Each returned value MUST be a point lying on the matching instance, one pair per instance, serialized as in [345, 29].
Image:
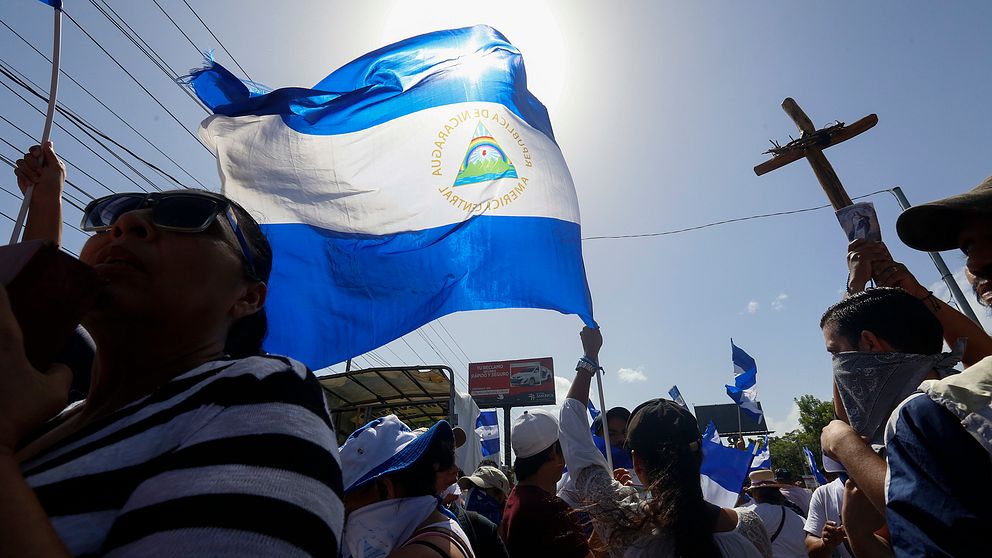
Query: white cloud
[779, 302]
[790, 423]
[752, 307]
[629, 375]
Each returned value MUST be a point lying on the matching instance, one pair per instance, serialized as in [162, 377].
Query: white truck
[529, 374]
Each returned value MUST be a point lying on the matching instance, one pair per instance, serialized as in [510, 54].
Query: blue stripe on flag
[488, 430]
[724, 467]
[57, 4]
[811, 461]
[742, 361]
[335, 295]
[441, 68]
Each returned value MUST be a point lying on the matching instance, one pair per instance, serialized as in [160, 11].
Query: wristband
[588, 365]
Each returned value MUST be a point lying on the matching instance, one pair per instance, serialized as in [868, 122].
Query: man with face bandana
[885, 341]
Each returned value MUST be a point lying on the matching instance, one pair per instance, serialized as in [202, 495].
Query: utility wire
[90, 130]
[10, 161]
[147, 50]
[726, 221]
[453, 340]
[176, 25]
[64, 159]
[86, 145]
[216, 38]
[450, 350]
[104, 105]
[135, 80]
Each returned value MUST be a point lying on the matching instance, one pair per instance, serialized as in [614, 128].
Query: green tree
[787, 449]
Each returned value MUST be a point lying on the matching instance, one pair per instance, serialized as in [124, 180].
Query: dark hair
[892, 314]
[526, 467]
[420, 478]
[245, 336]
[666, 440]
[769, 494]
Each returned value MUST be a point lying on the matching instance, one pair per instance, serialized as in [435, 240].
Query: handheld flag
[417, 180]
[744, 392]
[711, 434]
[811, 461]
[676, 396]
[722, 472]
[487, 428]
[763, 457]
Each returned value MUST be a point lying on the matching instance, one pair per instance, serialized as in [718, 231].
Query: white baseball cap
[382, 447]
[533, 432]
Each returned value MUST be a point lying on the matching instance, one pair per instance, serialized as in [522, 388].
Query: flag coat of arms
[418, 180]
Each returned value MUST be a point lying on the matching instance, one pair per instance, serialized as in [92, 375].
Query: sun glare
[528, 24]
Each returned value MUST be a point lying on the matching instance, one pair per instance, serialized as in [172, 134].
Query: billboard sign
[512, 383]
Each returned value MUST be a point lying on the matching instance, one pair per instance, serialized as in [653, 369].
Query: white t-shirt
[825, 505]
[791, 540]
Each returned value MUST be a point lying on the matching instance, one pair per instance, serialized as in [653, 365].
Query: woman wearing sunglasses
[191, 441]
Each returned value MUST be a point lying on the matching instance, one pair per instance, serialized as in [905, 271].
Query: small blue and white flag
[418, 180]
[711, 434]
[57, 4]
[676, 396]
[811, 461]
[763, 457]
[744, 392]
[722, 472]
[487, 428]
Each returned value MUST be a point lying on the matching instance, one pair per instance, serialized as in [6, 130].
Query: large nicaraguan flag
[744, 392]
[487, 428]
[417, 180]
[722, 472]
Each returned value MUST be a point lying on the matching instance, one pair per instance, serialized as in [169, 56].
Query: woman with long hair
[671, 518]
[191, 440]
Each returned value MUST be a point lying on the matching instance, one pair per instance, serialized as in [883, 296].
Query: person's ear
[252, 300]
[868, 342]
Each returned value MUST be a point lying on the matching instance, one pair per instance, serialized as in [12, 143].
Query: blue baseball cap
[385, 446]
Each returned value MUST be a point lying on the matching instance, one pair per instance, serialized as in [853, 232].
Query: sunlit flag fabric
[811, 461]
[676, 396]
[57, 4]
[488, 430]
[744, 392]
[762, 459]
[418, 180]
[722, 472]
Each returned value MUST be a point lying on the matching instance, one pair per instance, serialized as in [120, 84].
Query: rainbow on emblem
[484, 160]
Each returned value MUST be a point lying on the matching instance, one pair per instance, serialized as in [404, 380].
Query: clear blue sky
[661, 108]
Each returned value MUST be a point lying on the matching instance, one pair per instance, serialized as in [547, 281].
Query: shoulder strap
[443, 533]
[781, 524]
[431, 546]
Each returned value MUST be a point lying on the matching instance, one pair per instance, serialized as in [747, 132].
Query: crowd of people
[192, 441]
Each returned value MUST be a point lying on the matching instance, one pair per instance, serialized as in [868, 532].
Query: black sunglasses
[190, 212]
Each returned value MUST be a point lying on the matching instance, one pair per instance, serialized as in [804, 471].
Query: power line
[84, 144]
[726, 221]
[450, 350]
[104, 105]
[87, 128]
[147, 50]
[176, 25]
[216, 38]
[135, 80]
[65, 159]
[65, 193]
[414, 351]
[453, 340]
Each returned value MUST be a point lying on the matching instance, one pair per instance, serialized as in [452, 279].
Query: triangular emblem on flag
[484, 160]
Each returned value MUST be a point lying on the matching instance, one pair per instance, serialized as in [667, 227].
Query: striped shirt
[233, 458]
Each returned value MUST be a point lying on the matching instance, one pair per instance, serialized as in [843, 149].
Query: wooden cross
[810, 145]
